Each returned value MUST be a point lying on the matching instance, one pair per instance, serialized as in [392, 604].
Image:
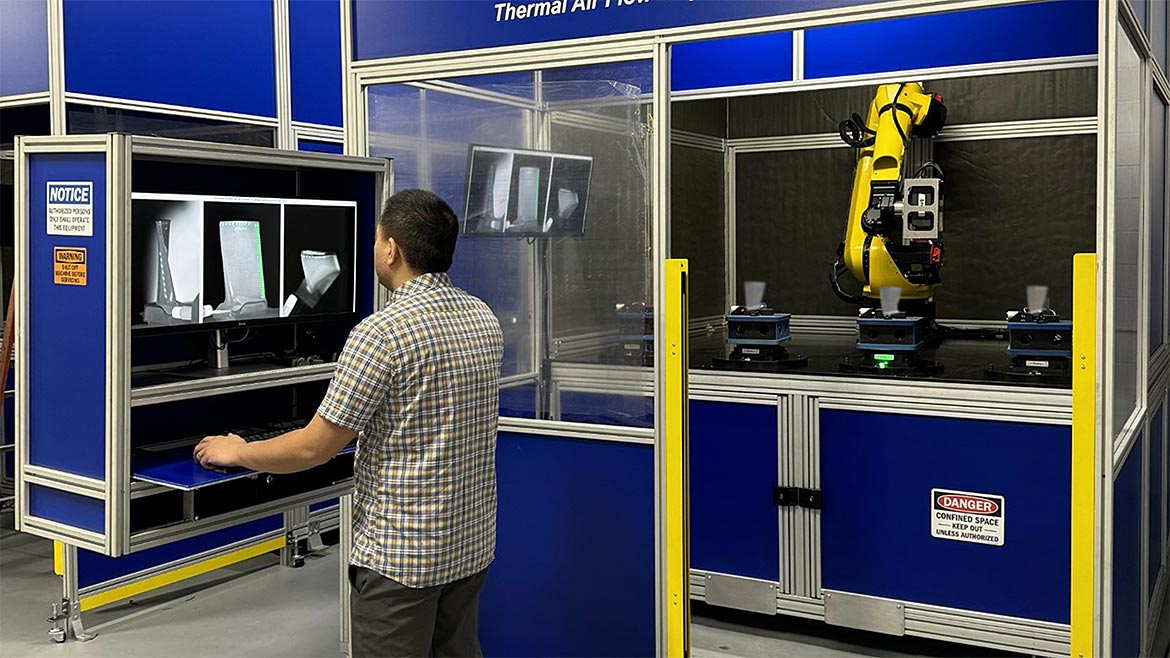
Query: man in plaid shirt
[419, 383]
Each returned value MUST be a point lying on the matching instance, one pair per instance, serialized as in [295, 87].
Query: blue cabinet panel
[67, 508]
[1032, 31]
[574, 568]
[748, 60]
[1127, 557]
[1154, 500]
[315, 60]
[211, 54]
[877, 473]
[319, 146]
[94, 568]
[735, 527]
[67, 327]
[325, 504]
[24, 47]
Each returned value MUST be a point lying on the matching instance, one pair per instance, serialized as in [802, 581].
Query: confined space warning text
[69, 266]
[966, 516]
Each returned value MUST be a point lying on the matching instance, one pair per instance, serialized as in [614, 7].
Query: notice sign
[70, 209]
[966, 516]
[69, 266]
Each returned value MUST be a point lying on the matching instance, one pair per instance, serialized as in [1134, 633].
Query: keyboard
[249, 434]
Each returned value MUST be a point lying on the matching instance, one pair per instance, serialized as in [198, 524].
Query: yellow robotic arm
[894, 220]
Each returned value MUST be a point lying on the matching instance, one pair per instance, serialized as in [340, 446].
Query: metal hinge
[796, 497]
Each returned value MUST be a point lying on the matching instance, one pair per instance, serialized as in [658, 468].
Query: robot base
[760, 365]
[906, 364]
[1017, 373]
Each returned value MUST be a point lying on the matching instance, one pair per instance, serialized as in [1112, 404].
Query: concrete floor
[258, 608]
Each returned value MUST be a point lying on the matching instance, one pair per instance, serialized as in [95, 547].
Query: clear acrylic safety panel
[548, 172]
[1128, 204]
[1158, 219]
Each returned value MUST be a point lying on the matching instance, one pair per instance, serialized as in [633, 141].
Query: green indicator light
[883, 357]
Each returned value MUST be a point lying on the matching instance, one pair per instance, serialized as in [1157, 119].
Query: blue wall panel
[413, 27]
[607, 409]
[877, 472]
[1052, 29]
[94, 568]
[319, 147]
[518, 401]
[325, 504]
[1154, 500]
[67, 328]
[315, 60]
[1127, 557]
[67, 508]
[735, 527]
[574, 568]
[213, 54]
[749, 60]
[24, 47]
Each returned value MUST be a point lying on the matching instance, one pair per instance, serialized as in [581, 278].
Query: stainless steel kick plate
[865, 612]
[741, 593]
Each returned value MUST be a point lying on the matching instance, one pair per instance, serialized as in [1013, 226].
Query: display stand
[102, 479]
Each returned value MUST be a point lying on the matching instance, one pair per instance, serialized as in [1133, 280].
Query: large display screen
[211, 261]
[516, 193]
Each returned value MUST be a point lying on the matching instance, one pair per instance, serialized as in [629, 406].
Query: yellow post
[677, 559]
[1084, 448]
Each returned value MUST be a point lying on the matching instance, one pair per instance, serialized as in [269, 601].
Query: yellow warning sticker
[69, 266]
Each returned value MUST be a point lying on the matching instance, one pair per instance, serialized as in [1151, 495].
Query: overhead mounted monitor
[519, 193]
[213, 262]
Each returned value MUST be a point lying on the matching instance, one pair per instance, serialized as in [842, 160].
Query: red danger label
[972, 504]
[967, 516]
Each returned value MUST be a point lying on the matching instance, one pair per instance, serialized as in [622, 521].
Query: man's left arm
[291, 452]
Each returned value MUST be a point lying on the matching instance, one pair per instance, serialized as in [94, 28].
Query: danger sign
[69, 266]
[966, 516]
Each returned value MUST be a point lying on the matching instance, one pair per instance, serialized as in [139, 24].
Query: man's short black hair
[424, 227]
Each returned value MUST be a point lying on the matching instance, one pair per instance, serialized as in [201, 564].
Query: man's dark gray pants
[390, 620]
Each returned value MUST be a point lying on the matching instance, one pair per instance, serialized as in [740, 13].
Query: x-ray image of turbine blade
[243, 268]
[321, 269]
[166, 308]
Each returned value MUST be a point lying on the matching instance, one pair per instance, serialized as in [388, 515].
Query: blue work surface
[574, 568]
[735, 527]
[177, 469]
[877, 473]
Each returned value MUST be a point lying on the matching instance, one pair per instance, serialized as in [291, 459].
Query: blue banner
[417, 27]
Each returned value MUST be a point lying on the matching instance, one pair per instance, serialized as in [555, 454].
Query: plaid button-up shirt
[419, 381]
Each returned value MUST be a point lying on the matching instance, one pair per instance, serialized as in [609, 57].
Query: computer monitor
[207, 262]
[520, 193]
